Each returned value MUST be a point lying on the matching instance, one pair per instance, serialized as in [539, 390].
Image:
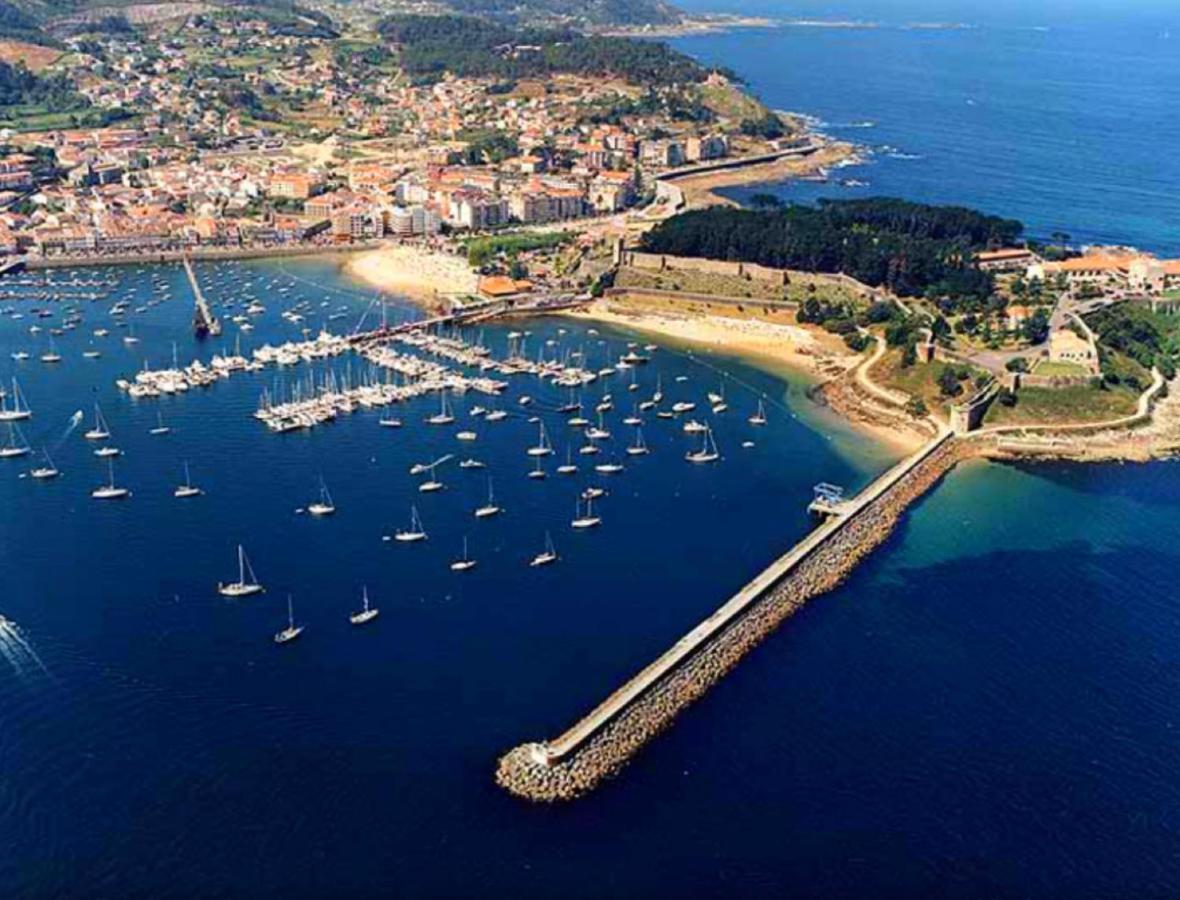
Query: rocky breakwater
[528, 772]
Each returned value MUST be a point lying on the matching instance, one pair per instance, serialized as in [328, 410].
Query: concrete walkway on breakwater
[568, 744]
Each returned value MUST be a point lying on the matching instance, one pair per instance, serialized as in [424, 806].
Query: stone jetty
[535, 772]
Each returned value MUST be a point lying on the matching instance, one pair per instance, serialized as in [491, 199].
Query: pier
[600, 743]
[204, 322]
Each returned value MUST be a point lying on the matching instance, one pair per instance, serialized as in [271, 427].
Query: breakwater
[600, 744]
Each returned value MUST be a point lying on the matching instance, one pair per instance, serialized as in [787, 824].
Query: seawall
[566, 769]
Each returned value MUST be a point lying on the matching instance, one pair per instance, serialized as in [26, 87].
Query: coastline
[421, 274]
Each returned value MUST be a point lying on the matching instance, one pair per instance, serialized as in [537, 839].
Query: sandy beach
[417, 272]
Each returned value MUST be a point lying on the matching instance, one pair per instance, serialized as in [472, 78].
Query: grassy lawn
[1074, 404]
[921, 380]
[1052, 369]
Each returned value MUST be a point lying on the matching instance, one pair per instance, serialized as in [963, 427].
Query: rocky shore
[523, 771]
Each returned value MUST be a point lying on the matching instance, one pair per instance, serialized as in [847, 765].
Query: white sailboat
[246, 584]
[464, 564]
[598, 432]
[19, 410]
[389, 423]
[708, 451]
[546, 556]
[292, 630]
[444, 416]
[100, 431]
[658, 396]
[187, 489]
[568, 468]
[490, 508]
[366, 613]
[51, 355]
[692, 426]
[537, 471]
[543, 448]
[639, 447]
[470, 463]
[47, 471]
[431, 484]
[16, 446]
[759, 418]
[415, 532]
[160, 428]
[585, 520]
[323, 506]
[109, 491]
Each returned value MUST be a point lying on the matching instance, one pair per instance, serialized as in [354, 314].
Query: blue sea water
[1059, 115]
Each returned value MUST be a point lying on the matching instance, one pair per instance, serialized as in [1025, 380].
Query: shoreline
[420, 273]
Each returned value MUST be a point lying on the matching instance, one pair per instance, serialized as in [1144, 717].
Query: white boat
[367, 613]
[658, 396]
[390, 423]
[51, 356]
[692, 426]
[568, 468]
[585, 520]
[16, 446]
[588, 449]
[471, 464]
[646, 405]
[444, 416]
[525, 400]
[324, 505]
[91, 354]
[543, 448]
[462, 565]
[593, 493]
[683, 406]
[759, 418]
[47, 471]
[495, 415]
[20, 355]
[292, 630]
[18, 410]
[466, 435]
[577, 422]
[160, 428]
[101, 431]
[107, 452]
[609, 468]
[546, 556]
[537, 471]
[246, 585]
[598, 432]
[490, 508]
[708, 451]
[415, 532]
[639, 447]
[187, 489]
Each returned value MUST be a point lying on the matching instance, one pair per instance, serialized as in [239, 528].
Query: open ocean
[990, 706]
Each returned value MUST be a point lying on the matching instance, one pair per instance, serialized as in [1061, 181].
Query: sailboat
[244, 586]
[639, 448]
[19, 410]
[495, 415]
[324, 506]
[100, 431]
[546, 556]
[415, 532]
[17, 445]
[543, 448]
[470, 463]
[462, 565]
[586, 520]
[537, 471]
[599, 432]
[759, 418]
[431, 484]
[47, 471]
[367, 613]
[389, 423]
[568, 468]
[187, 489]
[160, 428]
[292, 630]
[692, 426]
[444, 416]
[634, 418]
[490, 508]
[658, 396]
[51, 356]
[109, 491]
[708, 452]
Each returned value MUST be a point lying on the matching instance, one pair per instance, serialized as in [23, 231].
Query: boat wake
[18, 652]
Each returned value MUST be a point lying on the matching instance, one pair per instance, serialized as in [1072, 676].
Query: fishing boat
[568, 468]
[366, 613]
[100, 431]
[543, 448]
[490, 508]
[324, 505]
[160, 428]
[759, 418]
[639, 447]
[708, 451]
[16, 445]
[187, 489]
[546, 556]
[246, 585]
[292, 630]
[444, 416]
[465, 563]
[16, 411]
[47, 471]
[587, 519]
[415, 532]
